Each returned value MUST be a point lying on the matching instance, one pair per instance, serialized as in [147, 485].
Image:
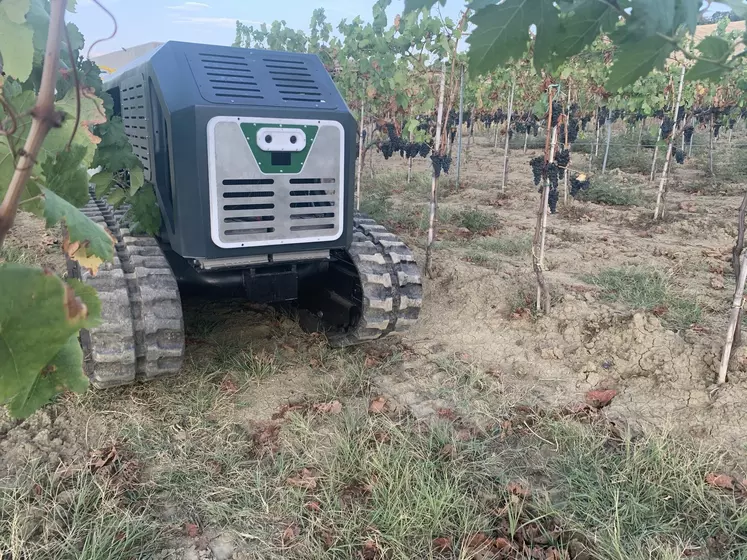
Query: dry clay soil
[468, 353]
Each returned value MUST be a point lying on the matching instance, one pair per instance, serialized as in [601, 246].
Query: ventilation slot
[233, 182]
[312, 227]
[226, 56]
[134, 119]
[229, 63]
[260, 194]
[249, 231]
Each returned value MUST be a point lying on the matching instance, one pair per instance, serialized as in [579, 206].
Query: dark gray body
[168, 98]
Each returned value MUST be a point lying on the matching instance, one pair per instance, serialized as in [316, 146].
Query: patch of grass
[640, 499]
[642, 288]
[12, 254]
[463, 374]
[482, 258]
[607, 190]
[510, 246]
[477, 221]
[380, 481]
[47, 516]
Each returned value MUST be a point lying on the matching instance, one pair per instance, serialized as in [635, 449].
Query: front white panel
[251, 208]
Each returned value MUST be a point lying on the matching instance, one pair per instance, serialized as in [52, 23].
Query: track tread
[142, 333]
[391, 282]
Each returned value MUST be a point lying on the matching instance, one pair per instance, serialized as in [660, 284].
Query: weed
[648, 289]
[606, 190]
[510, 246]
[12, 254]
[83, 516]
[476, 221]
[641, 499]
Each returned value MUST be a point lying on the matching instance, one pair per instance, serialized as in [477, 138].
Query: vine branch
[44, 119]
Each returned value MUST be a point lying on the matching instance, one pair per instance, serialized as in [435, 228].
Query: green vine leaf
[91, 114]
[85, 240]
[636, 58]
[739, 7]
[66, 176]
[63, 373]
[717, 50]
[144, 211]
[16, 39]
[501, 33]
[580, 28]
[39, 315]
[417, 5]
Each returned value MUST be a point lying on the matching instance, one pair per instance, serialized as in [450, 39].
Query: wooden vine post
[736, 260]
[434, 178]
[508, 135]
[656, 153]
[566, 144]
[608, 124]
[736, 311]
[461, 124]
[660, 197]
[359, 171]
[710, 146]
[540, 231]
[690, 149]
[640, 136]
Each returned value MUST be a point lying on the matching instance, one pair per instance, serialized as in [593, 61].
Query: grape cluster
[716, 130]
[572, 131]
[679, 156]
[617, 114]
[732, 122]
[602, 115]
[585, 122]
[552, 200]
[579, 183]
[667, 125]
[453, 134]
[688, 132]
[681, 114]
[538, 168]
[412, 150]
[574, 110]
[440, 162]
[563, 159]
[557, 109]
[553, 175]
[424, 149]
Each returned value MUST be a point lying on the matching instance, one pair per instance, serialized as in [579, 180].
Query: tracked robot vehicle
[252, 156]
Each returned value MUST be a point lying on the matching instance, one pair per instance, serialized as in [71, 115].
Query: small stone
[222, 548]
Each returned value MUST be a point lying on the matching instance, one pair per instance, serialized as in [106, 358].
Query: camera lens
[268, 138]
[293, 139]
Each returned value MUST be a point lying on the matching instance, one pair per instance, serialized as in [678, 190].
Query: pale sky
[214, 21]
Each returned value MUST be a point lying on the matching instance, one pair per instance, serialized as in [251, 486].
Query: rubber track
[155, 305]
[391, 282]
[110, 347]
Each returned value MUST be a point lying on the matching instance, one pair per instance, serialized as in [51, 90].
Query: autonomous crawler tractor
[252, 157]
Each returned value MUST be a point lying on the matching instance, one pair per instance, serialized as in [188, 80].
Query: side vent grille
[135, 120]
[251, 77]
[293, 80]
[230, 76]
